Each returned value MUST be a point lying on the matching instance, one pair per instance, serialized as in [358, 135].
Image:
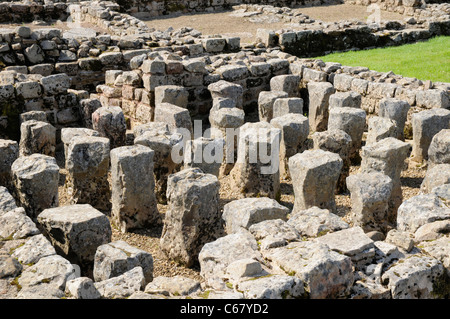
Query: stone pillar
[173, 94]
[76, 231]
[294, 133]
[9, 152]
[352, 121]
[193, 217]
[266, 99]
[110, 123]
[162, 142]
[439, 149]
[314, 176]
[425, 125]
[226, 118]
[256, 172]
[206, 154]
[380, 128]
[37, 137]
[319, 96]
[387, 156]
[133, 188]
[87, 108]
[227, 90]
[36, 179]
[339, 142]
[396, 110]
[70, 132]
[288, 83]
[345, 99]
[287, 105]
[87, 163]
[176, 117]
[370, 193]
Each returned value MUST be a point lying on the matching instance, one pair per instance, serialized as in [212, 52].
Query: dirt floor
[225, 24]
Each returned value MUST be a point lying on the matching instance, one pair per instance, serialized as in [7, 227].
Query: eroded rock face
[36, 180]
[243, 213]
[314, 176]
[193, 217]
[76, 231]
[115, 258]
[133, 188]
[326, 274]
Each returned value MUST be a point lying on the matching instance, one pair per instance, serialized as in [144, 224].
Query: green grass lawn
[428, 60]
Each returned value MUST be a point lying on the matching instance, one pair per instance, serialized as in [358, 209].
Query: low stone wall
[153, 8]
[135, 90]
[15, 12]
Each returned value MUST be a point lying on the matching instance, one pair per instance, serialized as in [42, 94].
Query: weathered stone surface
[273, 233]
[272, 287]
[40, 116]
[439, 249]
[177, 118]
[243, 213]
[396, 110]
[56, 83]
[133, 188]
[37, 137]
[294, 133]
[36, 180]
[351, 242]
[54, 270]
[266, 100]
[193, 216]
[325, 273]
[228, 90]
[243, 269]
[76, 231]
[387, 156]
[9, 152]
[370, 194]
[415, 277]
[68, 133]
[425, 125]
[400, 238]
[122, 286]
[88, 163]
[319, 95]
[173, 286]
[439, 149]
[380, 128]
[315, 222]
[9, 266]
[288, 105]
[205, 153]
[432, 231]
[215, 256]
[15, 224]
[110, 123]
[115, 258]
[7, 202]
[256, 172]
[162, 142]
[288, 83]
[420, 210]
[314, 176]
[350, 120]
[172, 94]
[339, 142]
[82, 288]
[345, 99]
[87, 108]
[35, 248]
[436, 175]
